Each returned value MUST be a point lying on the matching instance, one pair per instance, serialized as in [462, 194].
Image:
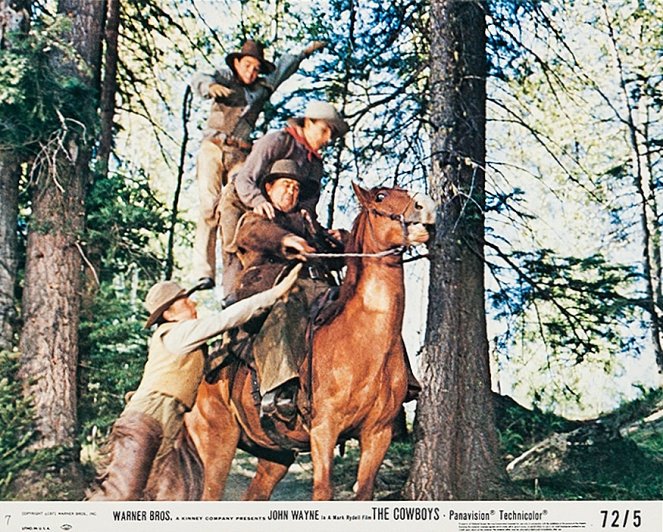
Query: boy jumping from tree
[239, 91]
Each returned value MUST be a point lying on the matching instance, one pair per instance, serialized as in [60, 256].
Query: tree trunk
[646, 193]
[14, 17]
[51, 297]
[9, 173]
[109, 84]
[172, 231]
[107, 91]
[456, 453]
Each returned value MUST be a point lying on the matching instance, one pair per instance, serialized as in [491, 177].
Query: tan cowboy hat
[253, 49]
[290, 169]
[161, 296]
[316, 110]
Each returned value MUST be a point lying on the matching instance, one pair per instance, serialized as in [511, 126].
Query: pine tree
[456, 453]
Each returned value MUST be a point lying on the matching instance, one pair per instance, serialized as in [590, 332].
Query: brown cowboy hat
[316, 110]
[252, 49]
[290, 169]
[161, 296]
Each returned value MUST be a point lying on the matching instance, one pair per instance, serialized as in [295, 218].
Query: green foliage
[508, 56]
[651, 445]
[16, 424]
[123, 217]
[564, 76]
[38, 96]
[17, 432]
[619, 470]
[113, 353]
[520, 428]
[379, 68]
[580, 303]
[638, 408]
[629, 468]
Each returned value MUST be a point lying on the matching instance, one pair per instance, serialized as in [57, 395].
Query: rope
[385, 253]
[417, 257]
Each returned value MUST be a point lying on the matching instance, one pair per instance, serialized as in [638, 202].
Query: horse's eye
[380, 196]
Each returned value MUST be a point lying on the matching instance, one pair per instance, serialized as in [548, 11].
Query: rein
[387, 252]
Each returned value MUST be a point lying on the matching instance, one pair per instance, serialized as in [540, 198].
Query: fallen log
[551, 455]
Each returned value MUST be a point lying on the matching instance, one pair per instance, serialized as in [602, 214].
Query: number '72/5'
[621, 518]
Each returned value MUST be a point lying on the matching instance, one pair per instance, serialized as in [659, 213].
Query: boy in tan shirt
[152, 420]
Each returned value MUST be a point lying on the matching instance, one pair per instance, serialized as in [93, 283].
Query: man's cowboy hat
[290, 169]
[252, 49]
[316, 110]
[161, 296]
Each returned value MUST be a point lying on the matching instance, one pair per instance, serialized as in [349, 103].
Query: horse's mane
[354, 264]
[355, 244]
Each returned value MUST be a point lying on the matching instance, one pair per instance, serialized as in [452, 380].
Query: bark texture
[51, 297]
[14, 17]
[9, 173]
[109, 84]
[456, 454]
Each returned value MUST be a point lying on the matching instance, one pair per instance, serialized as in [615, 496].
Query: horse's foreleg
[323, 441]
[374, 445]
[268, 475]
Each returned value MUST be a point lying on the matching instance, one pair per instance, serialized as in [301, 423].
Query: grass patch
[619, 470]
[628, 468]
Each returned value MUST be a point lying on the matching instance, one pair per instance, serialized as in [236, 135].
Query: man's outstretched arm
[188, 335]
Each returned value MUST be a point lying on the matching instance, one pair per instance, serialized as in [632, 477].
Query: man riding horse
[352, 382]
[266, 248]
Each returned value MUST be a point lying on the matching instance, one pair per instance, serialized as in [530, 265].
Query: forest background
[98, 138]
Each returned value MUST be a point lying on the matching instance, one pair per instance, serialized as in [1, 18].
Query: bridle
[398, 250]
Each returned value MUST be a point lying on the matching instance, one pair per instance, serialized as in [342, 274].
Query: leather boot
[135, 440]
[281, 401]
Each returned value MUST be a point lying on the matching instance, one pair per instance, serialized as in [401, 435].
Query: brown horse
[357, 372]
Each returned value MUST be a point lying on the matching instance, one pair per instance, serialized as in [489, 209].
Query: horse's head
[396, 217]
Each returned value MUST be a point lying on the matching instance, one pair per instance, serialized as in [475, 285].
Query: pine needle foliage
[17, 429]
[115, 351]
[37, 99]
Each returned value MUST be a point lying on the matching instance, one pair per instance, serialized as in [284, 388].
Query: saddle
[236, 347]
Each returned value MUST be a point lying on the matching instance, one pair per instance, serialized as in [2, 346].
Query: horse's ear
[363, 196]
